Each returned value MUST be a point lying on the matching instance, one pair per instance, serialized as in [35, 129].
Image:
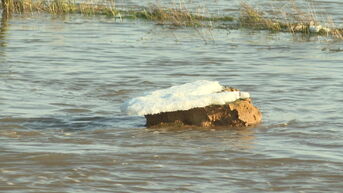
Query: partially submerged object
[316, 28]
[200, 103]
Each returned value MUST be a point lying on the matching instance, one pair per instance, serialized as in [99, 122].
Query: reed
[289, 19]
[180, 16]
[57, 7]
[255, 19]
[173, 16]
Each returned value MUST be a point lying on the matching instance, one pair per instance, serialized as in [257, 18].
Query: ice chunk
[183, 97]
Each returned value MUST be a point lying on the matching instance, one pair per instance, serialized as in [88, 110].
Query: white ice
[183, 97]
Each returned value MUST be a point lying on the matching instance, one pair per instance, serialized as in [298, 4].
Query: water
[63, 79]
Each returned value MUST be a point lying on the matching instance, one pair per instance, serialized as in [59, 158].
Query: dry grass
[178, 16]
[294, 20]
[57, 7]
[255, 19]
[288, 18]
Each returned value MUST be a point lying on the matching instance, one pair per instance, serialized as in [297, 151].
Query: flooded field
[63, 79]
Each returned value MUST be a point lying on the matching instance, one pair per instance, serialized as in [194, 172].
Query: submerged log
[240, 113]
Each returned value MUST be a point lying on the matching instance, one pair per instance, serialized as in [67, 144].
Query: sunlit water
[62, 81]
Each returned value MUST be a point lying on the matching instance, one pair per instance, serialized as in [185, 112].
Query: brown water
[62, 81]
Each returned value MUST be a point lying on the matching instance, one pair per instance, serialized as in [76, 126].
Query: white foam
[183, 97]
[313, 28]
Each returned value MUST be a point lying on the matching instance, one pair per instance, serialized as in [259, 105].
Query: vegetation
[167, 16]
[285, 21]
[56, 7]
[295, 22]
[178, 16]
[252, 18]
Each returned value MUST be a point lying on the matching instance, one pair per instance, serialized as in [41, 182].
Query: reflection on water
[234, 139]
[3, 32]
[61, 129]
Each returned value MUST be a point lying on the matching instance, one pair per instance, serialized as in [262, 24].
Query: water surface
[63, 79]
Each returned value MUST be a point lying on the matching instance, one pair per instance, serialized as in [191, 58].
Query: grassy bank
[281, 21]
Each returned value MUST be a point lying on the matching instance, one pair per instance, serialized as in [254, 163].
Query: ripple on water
[61, 128]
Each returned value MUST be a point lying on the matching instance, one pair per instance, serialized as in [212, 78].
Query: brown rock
[241, 113]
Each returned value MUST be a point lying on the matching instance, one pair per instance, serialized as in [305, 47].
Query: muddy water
[62, 81]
